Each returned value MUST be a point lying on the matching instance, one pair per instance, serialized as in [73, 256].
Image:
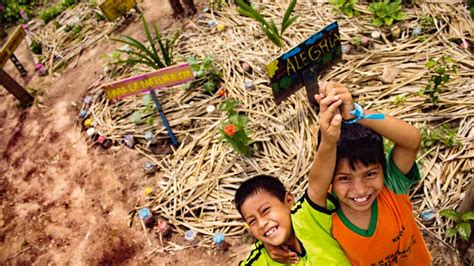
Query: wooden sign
[159, 79]
[301, 65]
[9, 47]
[113, 9]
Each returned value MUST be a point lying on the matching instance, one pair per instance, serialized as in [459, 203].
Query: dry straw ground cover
[199, 179]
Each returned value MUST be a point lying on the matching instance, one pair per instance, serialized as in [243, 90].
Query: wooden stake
[16, 89]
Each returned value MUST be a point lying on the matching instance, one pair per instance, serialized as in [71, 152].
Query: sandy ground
[64, 201]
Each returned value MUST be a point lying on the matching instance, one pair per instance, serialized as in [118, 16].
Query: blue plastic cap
[82, 113]
[189, 235]
[149, 165]
[144, 213]
[218, 238]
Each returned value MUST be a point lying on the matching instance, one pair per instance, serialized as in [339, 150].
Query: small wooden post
[16, 89]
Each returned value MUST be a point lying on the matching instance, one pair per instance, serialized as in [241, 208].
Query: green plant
[356, 41]
[346, 7]
[427, 21]
[49, 13]
[141, 54]
[441, 71]
[399, 99]
[36, 47]
[234, 128]
[206, 73]
[386, 12]
[269, 28]
[444, 135]
[10, 10]
[461, 223]
[68, 3]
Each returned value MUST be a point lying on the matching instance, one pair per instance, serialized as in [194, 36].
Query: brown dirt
[64, 201]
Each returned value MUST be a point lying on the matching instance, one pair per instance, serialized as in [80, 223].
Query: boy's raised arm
[406, 137]
[324, 163]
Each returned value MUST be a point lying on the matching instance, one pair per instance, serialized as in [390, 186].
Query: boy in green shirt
[304, 228]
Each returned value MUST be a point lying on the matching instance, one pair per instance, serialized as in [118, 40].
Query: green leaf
[273, 38]
[430, 64]
[450, 232]
[464, 230]
[150, 39]
[377, 22]
[450, 214]
[467, 216]
[388, 21]
[288, 12]
[399, 16]
[287, 23]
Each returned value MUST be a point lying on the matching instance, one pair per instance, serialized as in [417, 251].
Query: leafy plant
[234, 128]
[356, 40]
[10, 10]
[444, 135]
[269, 27]
[148, 55]
[441, 71]
[386, 12]
[346, 7]
[461, 223]
[50, 13]
[36, 47]
[206, 73]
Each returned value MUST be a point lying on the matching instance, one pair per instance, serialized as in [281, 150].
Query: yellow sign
[113, 9]
[10, 46]
[159, 79]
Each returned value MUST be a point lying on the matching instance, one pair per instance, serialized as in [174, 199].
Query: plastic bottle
[190, 236]
[146, 216]
[164, 229]
[219, 240]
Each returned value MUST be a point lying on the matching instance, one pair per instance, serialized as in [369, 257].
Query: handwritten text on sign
[159, 79]
[317, 53]
[10, 46]
[113, 9]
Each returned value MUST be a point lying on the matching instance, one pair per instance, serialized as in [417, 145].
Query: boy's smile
[269, 218]
[357, 189]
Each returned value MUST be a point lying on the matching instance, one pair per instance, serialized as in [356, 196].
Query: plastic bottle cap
[211, 109]
[427, 215]
[375, 34]
[144, 213]
[162, 225]
[148, 191]
[249, 85]
[88, 99]
[82, 113]
[148, 135]
[90, 132]
[190, 235]
[218, 238]
[212, 23]
[101, 139]
[149, 165]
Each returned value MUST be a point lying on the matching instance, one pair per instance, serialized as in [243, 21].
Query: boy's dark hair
[359, 144]
[258, 184]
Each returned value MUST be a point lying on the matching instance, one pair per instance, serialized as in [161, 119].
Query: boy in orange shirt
[374, 224]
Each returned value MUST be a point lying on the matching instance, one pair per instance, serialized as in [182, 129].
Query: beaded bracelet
[358, 112]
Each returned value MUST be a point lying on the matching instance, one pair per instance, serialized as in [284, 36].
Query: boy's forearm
[321, 173]
[396, 130]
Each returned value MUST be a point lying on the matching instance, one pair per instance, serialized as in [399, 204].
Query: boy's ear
[289, 199]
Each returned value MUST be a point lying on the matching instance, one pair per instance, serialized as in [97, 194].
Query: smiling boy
[375, 224]
[301, 230]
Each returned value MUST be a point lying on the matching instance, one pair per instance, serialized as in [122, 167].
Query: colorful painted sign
[305, 62]
[113, 9]
[159, 79]
[10, 46]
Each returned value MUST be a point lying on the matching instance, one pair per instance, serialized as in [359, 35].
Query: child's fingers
[329, 113]
[327, 101]
[335, 124]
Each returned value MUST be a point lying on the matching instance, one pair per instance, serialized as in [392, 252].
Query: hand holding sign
[303, 64]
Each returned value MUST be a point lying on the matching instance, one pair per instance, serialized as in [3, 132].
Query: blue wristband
[358, 112]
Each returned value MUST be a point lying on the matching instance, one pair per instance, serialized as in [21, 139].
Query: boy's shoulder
[395, 180]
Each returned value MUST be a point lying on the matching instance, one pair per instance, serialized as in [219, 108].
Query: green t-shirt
[312, 225]
[395, 180]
